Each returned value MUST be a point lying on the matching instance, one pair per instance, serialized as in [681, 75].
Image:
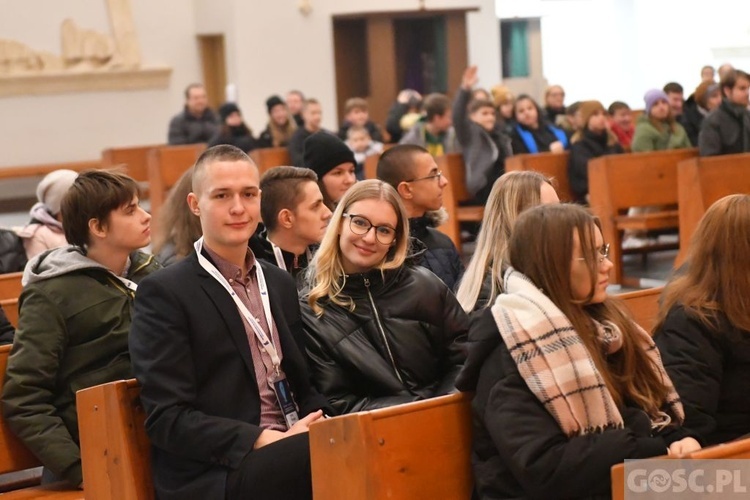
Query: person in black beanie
[233, 130]
[334, 162]
[280, 125]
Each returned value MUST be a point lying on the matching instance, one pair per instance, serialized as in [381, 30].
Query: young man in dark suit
[215, 345]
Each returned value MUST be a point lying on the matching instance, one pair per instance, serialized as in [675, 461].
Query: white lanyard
[259, 333]
[280, 256]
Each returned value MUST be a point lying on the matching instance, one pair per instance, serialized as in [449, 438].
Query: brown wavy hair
[716, 279]
[541, 248]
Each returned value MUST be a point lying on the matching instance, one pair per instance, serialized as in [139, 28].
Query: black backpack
[12, 253]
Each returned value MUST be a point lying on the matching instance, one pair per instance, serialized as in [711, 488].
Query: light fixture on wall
[305, 7]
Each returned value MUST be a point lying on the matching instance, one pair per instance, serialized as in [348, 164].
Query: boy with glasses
[412, 171]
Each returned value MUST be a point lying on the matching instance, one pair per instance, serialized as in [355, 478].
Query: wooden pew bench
[267, 158]
[165, 166]
[643, 305]
[738, 449]
[115, 450]
[10, 285]
[416, 450]
[454, 170]
[619, 182]
[703, 181]
[15, 457]
[552, 165]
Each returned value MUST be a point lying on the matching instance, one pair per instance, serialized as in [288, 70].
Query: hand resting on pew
[269, 436]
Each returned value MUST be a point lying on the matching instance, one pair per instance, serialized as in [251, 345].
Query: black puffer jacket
[403, 342]
[185, 128]
[519, 450]
[710, 368]
[263, 250]
[589, 146]
[441, 256]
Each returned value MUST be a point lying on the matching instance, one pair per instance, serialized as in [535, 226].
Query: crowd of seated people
[273, 301]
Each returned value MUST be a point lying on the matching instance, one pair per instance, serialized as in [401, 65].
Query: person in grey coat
[485, 147]
[197, 122]
[726, 130]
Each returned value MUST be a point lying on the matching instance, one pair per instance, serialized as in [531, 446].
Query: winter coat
[725, 131]
[528, 141]
[692, 119]
[710, 368]
[484, 153]
[589, 146]
[418, 135]
[72, 334]
[296, 146]
[7, 332]
[403, 342]
[649, 138]
[263, 250]
[188, 129]
[441, 256]
[239, 136]
[38, 237]
[518, 448]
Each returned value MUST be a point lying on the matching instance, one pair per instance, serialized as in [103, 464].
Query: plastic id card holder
[286, 402]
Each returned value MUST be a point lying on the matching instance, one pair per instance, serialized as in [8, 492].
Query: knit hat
[324, 152]
[652, 97]
[53, 187]
[227, 109]
[273, 101]
[501, 95]
[588, 108]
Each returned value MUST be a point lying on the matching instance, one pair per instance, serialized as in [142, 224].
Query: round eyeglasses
[603, 252]
[361, 225]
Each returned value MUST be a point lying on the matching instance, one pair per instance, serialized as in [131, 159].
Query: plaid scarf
[557, 366]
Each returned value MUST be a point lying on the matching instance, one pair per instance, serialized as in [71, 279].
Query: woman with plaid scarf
[566, 384]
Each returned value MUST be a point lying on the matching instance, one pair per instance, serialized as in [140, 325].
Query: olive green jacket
[72, 333]
[649, 138]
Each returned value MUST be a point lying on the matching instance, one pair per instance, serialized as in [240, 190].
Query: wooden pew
[267, 158]
[165, 166]
[453, 168]
[618, 182]
[14, 457]
[552, 165]
[644, 306]
[416, 450]
[703, 181]
[10, 306]
[135, 158]
[371, 167]
[42, 170]
[738, 449]
[115, 449]
[10, 285]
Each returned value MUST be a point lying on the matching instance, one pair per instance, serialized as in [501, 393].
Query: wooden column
[381, 48]
[458, 51]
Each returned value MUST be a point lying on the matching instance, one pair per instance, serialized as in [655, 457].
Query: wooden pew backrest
[135, 158]
[165, 166]
[10, 306]
[10, 285]
[644, 306]
[267, 158]
[416, 450]
[42, 170]
[115, 449]
[454, 170]
[552, 165]
[703, 181]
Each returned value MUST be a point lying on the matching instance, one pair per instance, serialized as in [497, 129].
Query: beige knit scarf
[557, 366]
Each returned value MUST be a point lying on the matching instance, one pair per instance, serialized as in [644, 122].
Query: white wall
[618, 49]
[71, 127]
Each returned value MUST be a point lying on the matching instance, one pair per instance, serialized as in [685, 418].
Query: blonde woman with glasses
[380, 330]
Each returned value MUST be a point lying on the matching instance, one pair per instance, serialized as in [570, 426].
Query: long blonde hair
[325, 274]
[511, 194]
[175, 222]
[717, 278]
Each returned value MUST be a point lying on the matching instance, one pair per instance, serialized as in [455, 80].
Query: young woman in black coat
[566, 384]
[704, 327]
[592, 141]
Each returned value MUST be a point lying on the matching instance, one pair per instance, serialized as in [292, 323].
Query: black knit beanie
[272, 101]
[227, 109]
[324, 152]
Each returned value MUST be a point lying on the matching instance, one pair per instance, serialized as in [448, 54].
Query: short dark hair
[674, 88]
[95, 194]
[396, 165]
[731, 77]
[478, 104]
[282, 188]
[191, 87]
[222, 152]
[616, 106]
[436, 105]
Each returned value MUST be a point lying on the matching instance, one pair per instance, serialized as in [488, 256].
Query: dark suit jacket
[191, 355]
